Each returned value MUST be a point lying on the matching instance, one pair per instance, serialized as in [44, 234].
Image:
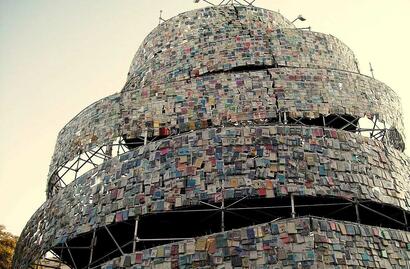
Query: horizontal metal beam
[71, 247]
[46, 266]
[163, 239]
[287, 206]
[183, 211]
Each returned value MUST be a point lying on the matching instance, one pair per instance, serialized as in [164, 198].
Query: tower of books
[238, 141]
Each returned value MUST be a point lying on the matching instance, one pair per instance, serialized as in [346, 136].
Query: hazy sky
[57, 57]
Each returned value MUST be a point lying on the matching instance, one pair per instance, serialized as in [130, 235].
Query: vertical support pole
[285, 119]
[223, 216]
[384, 131]
[77, 168]
[324, 121]
[405, 220]
[357, 66]
[61, 256]
[118, 147]
[292, 204]
[145, 137]
[371, 69]
[223, 206]
[134, 243]
[92, 249]
[356, 207]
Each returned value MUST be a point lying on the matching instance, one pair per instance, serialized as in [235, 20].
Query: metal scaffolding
[70, 170]
[225, 206]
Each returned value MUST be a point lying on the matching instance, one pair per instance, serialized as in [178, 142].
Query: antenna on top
[229, 2]
[160, 18]
[371, 69]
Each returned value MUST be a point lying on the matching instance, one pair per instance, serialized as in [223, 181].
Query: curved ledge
[204, 102]
[97, 124]
[286, 47]
[308, 242]
[226, 20]
[211, 24]
[264, 162]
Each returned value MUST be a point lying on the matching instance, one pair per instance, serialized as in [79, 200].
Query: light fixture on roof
[300, 17]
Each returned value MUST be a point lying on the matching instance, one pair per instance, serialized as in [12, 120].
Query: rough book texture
[238, 141]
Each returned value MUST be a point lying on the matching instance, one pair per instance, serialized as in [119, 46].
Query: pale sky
[57, 57]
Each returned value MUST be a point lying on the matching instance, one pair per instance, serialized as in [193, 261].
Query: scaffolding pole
[229, 209]
[92, 248]
[292, 205]
[356, 207]
[223, 206]
[113, 239]
[71, 255]
[134, 244]
[107, 255]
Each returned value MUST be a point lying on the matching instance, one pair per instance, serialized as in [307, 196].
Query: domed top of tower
[201, 31]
